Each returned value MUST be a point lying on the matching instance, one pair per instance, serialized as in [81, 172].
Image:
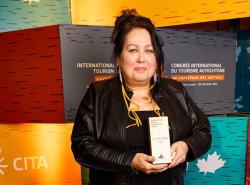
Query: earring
[155, 77]
[120, 74]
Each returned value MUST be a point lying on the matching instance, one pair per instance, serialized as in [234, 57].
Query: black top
[137, 139]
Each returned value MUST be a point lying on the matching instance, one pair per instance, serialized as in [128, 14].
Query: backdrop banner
[46, 71]
[37, 154]
[203, 61]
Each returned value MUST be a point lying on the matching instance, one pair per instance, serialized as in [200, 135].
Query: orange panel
[37, 154]
[162, 12]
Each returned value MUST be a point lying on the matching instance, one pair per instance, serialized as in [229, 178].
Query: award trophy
[159, 139]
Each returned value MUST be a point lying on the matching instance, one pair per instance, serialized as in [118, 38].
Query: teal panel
[20, 14]
[242, 95]
[225, 162]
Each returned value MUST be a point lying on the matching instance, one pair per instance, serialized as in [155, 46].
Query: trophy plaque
[159, 139]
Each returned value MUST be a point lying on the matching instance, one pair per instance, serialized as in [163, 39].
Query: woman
[110, 134]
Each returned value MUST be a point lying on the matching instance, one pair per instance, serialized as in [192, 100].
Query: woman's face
[137, 60]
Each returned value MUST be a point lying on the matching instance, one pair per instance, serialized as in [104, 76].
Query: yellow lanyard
[132, 112]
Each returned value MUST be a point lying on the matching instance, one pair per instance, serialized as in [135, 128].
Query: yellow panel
[37, 154]
[162, 12]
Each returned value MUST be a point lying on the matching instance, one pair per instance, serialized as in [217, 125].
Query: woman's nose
[141, 58]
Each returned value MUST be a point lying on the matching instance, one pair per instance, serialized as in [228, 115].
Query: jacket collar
[129, 92]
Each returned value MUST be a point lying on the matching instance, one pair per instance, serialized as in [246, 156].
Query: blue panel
[229, 144]
[20, 14]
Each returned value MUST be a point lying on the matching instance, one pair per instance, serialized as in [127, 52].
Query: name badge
[159, 139]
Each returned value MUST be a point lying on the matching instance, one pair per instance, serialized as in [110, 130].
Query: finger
[173, 151]
[156, 171]
[147, 165]
[160, 169]
[146, 159]
[176, 160]
[164, 169]
[159, 166]
[149, 158]
[173, 155]
[155, 168]
[181, 157]
[173, 164]
[142, 162]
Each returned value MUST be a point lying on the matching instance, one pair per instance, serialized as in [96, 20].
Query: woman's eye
[149, 51]
[132, 50]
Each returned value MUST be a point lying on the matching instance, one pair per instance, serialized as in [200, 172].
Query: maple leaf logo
[212, 163]
[2, 165]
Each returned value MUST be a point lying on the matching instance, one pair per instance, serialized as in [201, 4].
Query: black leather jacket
[98, 140]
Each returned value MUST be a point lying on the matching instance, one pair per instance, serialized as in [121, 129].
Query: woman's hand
[143, 163]
[179, 152]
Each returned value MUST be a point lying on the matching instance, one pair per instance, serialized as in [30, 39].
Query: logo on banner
[2, 166]
[238, 102]
[210, 165]
[30, 1]
[25, 163]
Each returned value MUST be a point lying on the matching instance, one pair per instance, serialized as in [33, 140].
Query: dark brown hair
[128, 20]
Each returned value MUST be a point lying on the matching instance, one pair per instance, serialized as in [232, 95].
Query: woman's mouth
[140, 69]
